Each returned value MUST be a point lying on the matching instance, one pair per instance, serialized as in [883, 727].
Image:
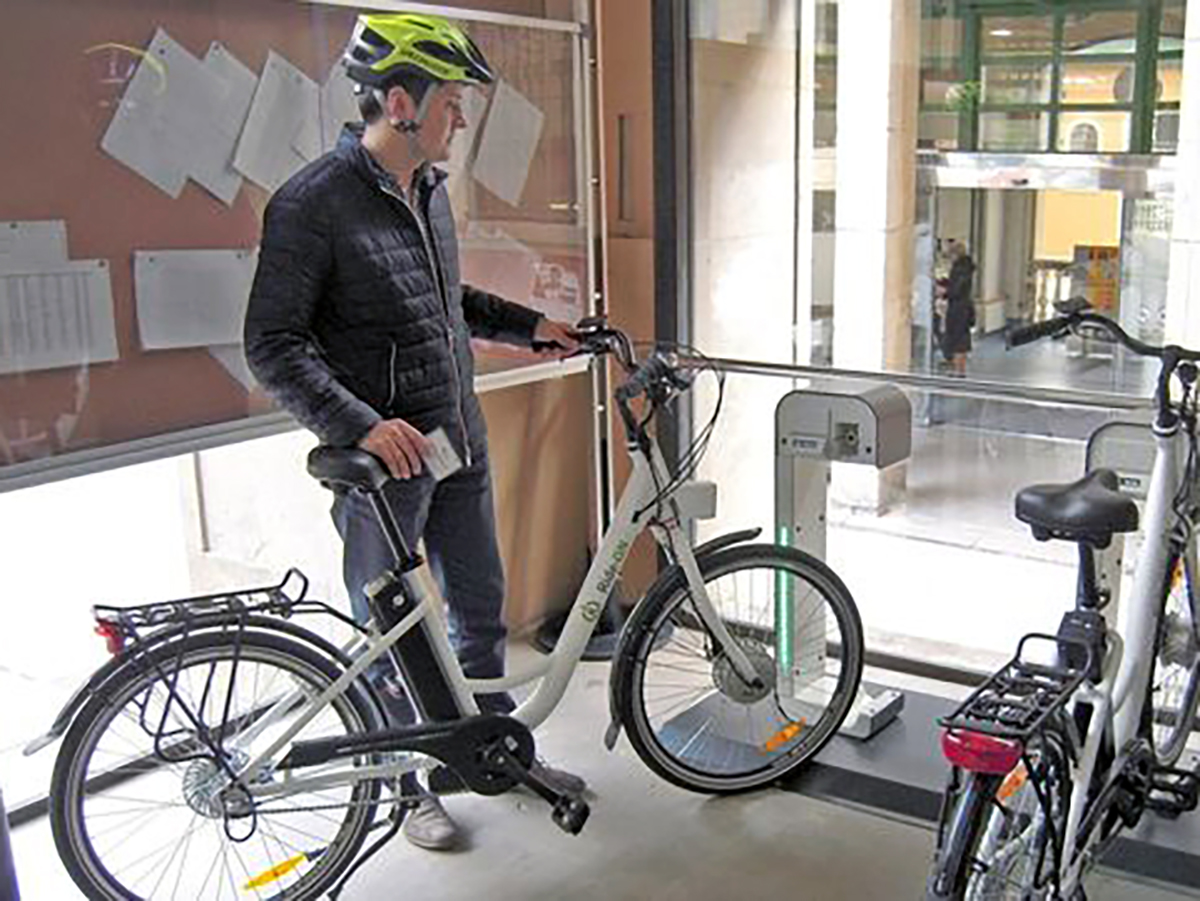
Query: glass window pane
[1016, 84]
[1170, 78]
[937, 130]
[1173, 19]
[1014, 131]
[1100, 32]
[1016, 36]
[1094, 132]
[1106, 82]
[1166, 131]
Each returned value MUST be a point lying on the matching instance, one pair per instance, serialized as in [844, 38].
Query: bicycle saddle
[347, 467]
[1090, 510]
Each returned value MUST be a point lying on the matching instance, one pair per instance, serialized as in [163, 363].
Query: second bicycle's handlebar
[1171, 355]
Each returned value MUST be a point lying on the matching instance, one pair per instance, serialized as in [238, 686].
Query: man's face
[443, 118]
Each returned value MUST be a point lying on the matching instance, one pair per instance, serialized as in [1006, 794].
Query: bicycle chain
[409, 800]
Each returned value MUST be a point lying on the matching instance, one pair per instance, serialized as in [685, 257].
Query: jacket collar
[350, 147]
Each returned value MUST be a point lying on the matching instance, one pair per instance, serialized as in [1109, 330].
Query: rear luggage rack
[1016, 702]
[283, 599]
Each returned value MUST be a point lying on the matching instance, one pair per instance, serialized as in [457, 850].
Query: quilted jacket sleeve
[294, 262]
[497, 319]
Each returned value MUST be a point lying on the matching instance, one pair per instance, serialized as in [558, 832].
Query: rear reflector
[980, 753]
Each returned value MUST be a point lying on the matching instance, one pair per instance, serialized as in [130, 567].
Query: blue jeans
[456, 518]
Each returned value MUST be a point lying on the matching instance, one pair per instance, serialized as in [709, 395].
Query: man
[358, 325]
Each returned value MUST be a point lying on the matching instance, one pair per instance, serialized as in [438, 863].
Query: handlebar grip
[1029, 333]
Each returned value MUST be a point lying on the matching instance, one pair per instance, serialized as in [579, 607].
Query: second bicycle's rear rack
[1016, 701]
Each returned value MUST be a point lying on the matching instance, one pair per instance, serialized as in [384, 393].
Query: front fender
[666, 577]
[117, 664]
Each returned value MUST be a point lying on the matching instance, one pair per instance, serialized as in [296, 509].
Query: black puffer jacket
[356, 315]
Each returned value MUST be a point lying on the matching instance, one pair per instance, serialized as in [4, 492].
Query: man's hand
[554, 338]
[398, 445]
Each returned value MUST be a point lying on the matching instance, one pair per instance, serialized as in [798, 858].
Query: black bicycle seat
[347, 467]
[1090, 510]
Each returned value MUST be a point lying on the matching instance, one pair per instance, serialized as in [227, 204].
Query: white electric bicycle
[1080, 733]
[227, 752]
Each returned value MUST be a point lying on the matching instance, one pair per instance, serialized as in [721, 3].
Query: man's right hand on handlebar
[399, 445]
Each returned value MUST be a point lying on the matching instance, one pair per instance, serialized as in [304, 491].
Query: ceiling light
[1001, 33]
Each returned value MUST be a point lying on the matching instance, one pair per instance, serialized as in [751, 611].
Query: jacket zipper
[438, 280]
[391, 378]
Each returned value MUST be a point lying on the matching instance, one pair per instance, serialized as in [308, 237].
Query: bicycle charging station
[1127, 448]
[869, 425]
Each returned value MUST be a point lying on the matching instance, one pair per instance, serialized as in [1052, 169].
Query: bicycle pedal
[1173, 791]
[570, 814]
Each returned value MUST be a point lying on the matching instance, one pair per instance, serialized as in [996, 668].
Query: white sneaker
[428, 826]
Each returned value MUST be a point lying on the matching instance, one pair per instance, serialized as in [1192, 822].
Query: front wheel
[692, 718]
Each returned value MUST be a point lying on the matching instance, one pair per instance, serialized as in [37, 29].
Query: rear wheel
[142, 805]
[1003, 834]
[692, 718]
[1175, 679]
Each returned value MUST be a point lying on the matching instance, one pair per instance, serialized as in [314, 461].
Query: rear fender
[129, 656]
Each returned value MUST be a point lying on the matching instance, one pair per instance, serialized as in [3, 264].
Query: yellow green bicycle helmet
[384, 45]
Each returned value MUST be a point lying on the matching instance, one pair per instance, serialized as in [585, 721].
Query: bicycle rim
[140, 812]
[1016, 854]
[1175, 680]
[700, 725]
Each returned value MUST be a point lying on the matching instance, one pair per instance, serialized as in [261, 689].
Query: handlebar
[1171, 355]
[659, 368]
[1027, 334]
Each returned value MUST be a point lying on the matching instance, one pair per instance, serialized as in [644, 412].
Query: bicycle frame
[649, 474]
[1117, 701]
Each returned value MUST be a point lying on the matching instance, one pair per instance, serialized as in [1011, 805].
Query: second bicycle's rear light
[978, 752]
[113, 635]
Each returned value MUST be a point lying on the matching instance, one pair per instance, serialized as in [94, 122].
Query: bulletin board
[141, 143]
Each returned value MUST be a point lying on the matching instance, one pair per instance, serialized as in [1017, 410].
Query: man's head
[410, 71]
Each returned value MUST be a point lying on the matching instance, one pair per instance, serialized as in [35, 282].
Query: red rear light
[113, 635]
[980, 753]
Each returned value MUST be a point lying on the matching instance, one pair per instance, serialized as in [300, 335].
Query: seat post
[1087, 593]
[405, 559]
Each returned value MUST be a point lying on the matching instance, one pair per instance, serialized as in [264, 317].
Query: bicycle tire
[132, 771]
[996, 841]
[785, 739]
[1174, 686]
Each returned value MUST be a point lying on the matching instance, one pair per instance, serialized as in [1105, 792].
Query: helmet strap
[409, 127]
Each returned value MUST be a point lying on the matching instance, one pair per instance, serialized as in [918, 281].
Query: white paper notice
[233, 358]
[510, 139]
[33, 245]
[338, 106]
[57, 317]
[216, 174]
[284, 101]
[162, 128]
[474, 106]
[191, 298]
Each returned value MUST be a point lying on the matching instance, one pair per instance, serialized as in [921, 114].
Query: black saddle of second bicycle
[1090, 510]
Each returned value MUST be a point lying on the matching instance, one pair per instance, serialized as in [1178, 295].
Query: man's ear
[400, 106]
